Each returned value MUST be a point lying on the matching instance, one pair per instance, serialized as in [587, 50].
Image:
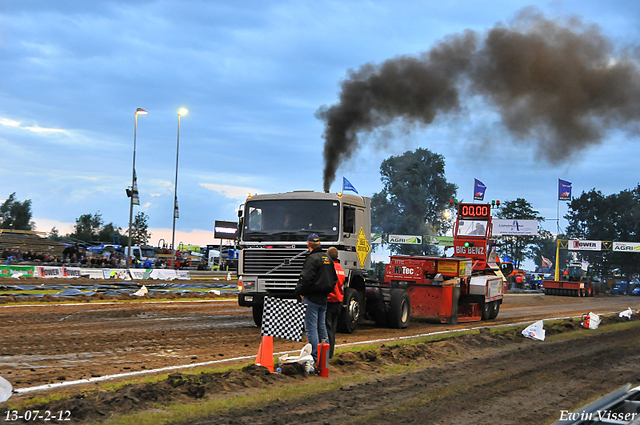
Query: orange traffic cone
[265, 353]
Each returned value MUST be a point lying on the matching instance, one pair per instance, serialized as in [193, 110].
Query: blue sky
[252, 75]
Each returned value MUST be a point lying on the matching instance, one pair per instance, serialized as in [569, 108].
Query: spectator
[317, 280]
[334, 300]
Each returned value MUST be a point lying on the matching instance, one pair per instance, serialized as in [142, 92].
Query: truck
[273, 230]
[576, 283]
[622, 288]
[142, 252]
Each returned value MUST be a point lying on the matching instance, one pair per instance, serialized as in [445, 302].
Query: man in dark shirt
[317, 280]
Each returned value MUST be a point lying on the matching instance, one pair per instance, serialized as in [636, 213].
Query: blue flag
[346, 185]
[564, 190]
[506, 259]
[478, 190]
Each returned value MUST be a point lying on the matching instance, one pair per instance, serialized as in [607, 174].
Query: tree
[15, 214]
[518, 248]
[413, 199]
[140, 229]
[91, 228]
[54, 235]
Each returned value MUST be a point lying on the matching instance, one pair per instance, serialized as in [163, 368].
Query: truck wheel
[350, 315]
[494, 309]
[399, 309]
[257, 314]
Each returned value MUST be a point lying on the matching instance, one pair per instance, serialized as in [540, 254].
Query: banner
[478, 190]
[6, 271]
[576, 245]
[405, 239]
[626, 246]
[71, 272]
[93, 273]
[134, 192]
[115, 274]
[377, 238]
[439, 240]
[515, 227]
[564, 190]
[49, 272]
[225, 229]
[140, 274]
[176, 213]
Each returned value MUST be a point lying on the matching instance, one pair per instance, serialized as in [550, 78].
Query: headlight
[246, 285]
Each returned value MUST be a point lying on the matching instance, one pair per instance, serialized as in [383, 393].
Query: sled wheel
[486, 311]
[494, 310]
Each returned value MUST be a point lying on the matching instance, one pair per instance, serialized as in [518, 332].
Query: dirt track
[514, 382]
[57, 343]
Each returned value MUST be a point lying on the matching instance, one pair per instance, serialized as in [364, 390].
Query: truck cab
[273, 231]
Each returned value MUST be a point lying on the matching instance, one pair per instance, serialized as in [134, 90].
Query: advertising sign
[405, 239]
[626, 247]
[439, 240]
[576, 245]
[515, 227]
[225, 230]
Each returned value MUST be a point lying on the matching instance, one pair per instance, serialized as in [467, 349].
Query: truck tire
[494, 309]
[350, 314]
[257, 314]
[399, 309]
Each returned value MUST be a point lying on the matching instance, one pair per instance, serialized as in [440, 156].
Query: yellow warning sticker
[362, 248]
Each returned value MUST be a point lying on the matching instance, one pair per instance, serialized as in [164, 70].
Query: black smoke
[559, 84]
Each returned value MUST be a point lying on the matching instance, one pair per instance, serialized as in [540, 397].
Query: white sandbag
[594, 321]
[5, 389]
[141, 292]
[627, 313]
[535, 331]
[304, 357]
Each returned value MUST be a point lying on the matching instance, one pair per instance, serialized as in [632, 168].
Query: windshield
[291, 220]
[472, 228]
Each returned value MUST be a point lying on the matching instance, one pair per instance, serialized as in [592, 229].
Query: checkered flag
[283, 318]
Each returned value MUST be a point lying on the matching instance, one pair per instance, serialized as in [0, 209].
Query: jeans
[314, 325]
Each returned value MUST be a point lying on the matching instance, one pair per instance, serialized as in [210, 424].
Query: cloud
[9, 123]
[231, 192]
[192, 237]
[45, 225]
[35, 129]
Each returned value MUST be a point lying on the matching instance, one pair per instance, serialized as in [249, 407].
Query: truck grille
[275, 262]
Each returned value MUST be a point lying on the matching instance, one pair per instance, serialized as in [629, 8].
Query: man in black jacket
[317, 279]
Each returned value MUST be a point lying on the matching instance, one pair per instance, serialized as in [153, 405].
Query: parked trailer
[567, 288]
[577, 283]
